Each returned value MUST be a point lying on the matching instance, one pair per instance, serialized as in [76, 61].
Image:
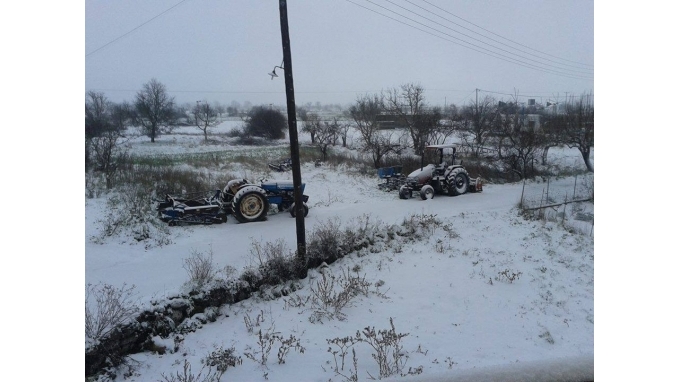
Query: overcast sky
[219, 50]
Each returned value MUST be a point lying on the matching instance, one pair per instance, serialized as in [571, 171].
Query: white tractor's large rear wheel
[458, 182]
[250, 204]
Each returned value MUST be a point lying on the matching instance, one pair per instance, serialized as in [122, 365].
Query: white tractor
[450, 179]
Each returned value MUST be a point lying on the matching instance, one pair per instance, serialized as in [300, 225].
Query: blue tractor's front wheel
[304, 207]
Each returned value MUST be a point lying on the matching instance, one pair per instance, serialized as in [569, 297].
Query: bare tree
[550, 129]
[120, 116]
[578, 127]
[233, 109]
[311, 123]
[108, 152]
[343, 131]
[479, 118]
[219, 109]
[154, 108]
[326, 136]
[365, 114]
[519, 143]
[205, 117]
[104, 123]
[408, 104]
[97, 114]
[450, 122]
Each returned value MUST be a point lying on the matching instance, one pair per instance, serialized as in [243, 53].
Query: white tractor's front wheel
[427, 192]
[405, 192]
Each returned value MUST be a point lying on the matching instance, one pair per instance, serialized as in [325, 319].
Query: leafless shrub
[229, 271]
[324, 243]
[508, 276]
[286, 345]
[111, 307]
[188, 376]
[250, 324]
[331, 294]
[388, 351]
[266, 341]
[361, 232]
[448, 228]
[223, 359]
[274, 261]
[421, 224]
[200, 268]
[296, 301]
[264, 252]
[548, 337]
[339, 347]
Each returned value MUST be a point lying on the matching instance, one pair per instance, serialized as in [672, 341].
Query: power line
[504, 38]
[494, 40]
[488, 44]
[515, 60]
[135, 28]
[519, 95]
[472, 46]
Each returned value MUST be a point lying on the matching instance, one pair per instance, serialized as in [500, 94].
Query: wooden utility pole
[294, 147]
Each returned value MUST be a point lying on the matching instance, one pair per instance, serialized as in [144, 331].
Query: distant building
[389, 121]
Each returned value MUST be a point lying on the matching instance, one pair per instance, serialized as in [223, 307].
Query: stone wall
[162, 319]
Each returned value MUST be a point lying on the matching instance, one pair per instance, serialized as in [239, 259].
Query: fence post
[593, 226]
[575, 178]
[521, 199]
[564, 212]
[547, 193]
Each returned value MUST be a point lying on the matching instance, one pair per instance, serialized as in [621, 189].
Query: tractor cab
[437, 151]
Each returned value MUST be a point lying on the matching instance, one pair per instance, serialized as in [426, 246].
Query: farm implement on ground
[246, 201]
[392, 176]
[193, 208]
[282, 165]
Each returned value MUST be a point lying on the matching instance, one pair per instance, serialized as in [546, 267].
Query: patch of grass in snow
[130, 214]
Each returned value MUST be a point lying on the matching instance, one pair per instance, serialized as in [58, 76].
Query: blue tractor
[248, 202]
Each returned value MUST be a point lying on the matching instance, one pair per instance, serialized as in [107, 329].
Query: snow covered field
[486, 292]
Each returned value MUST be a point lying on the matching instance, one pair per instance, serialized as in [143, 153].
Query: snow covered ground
[450, 292]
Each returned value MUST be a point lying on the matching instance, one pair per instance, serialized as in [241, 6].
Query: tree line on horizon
[508, 129]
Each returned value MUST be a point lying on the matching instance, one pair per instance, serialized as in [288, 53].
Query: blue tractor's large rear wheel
[250, 204]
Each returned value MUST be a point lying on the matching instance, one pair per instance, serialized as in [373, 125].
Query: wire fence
[567, 200]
